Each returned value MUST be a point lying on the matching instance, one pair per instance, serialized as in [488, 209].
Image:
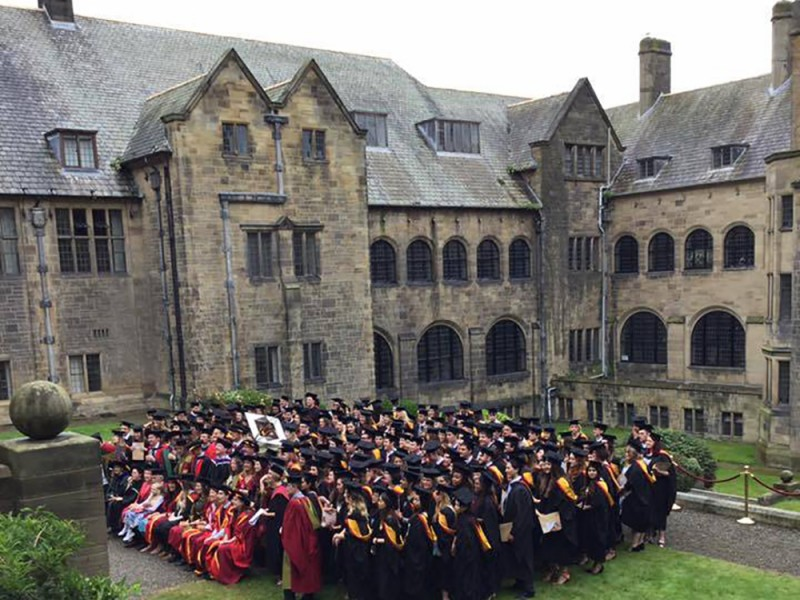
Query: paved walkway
[760, 546]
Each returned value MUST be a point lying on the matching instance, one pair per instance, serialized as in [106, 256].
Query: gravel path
[151, 572]
[761, 546]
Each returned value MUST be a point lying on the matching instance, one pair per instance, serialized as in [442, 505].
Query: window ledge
[313, 162]
[12, 276]
[384, 284]
[261, 280]
[520, 280]
[660, 274]
[587, 178]
[508, 377]
[698, 272]
[420, 283]
[718, 369]
[486, 281]
[269, 386]
[456, 282]
[315, 380]
[308, 278]
[784, 229]
[744, 268]
[237, 157]
[453, 383]
[626, 275]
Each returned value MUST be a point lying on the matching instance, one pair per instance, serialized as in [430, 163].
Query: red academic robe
[301, 547]
[233, 558]
[193, 538]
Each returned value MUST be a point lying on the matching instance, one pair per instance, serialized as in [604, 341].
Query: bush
[411, 407]
[693, 454]
[34, 549]
[244, 396]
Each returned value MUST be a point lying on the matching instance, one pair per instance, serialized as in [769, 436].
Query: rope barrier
[775, 490]
[703, 479]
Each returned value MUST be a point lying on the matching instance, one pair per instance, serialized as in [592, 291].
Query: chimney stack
[654, 71]
[59, 11]
[782, 24]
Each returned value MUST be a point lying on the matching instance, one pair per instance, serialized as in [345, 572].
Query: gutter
[230, 288]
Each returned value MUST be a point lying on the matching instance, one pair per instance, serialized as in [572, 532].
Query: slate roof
[685, 126]
[531, 122]
[119, 78]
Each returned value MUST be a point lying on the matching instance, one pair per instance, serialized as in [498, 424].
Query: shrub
[686, 448]
[411, 407]
[34, 549]
[243, 396]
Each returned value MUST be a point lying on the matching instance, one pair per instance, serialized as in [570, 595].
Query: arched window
[519, 260]
[661, 253]
[644, 340]
[699, 250]
[505, 349]
[626, 255]
[454, 261]
[419, 262]
[488, 260]
[382, 262]
[384, 364]
[740, 248]
[718, 341]
[440, 356]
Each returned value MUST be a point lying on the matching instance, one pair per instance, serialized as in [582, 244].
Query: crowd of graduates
[450, 503]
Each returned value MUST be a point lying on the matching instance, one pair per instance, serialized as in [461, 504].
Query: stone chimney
[59, 11]
[782, 24]
[654, 71]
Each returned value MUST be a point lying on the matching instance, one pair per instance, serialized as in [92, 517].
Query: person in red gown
[302, 560]
[235, 552]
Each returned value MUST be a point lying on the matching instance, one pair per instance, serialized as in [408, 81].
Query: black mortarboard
[463, 496]
[601, 426]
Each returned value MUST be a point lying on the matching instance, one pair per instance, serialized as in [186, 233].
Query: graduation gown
[518, 554]
[387, 558]
[444, 525]
[637, 505]
[594, 520]
[468, 556]
[489, 517]
[665, 489]
[302, 561]
[355, 550]
[233, 558]
[418, 558]
[561, 547]
[270, 525]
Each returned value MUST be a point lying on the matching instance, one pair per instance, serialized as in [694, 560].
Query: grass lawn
[736, 487]
[87, 428]
[661, 573]
[788, 504]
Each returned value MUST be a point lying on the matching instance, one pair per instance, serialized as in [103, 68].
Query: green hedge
[693, 454]
[34, 549]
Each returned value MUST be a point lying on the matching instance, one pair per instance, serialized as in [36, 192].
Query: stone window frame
[236, 140]
[520, 262]
[271, 372]
[380, 272]
[6, 382]
[58, 140]
[576, 165]
[584, 345]
[91, 382]
[739, 248]
[626, 413]
[733, 422]
[720, 326]
[661, 414]
[626, 255]
[694, 420]
[488, 261]
[377, 134]
[643, 339]
[726, 156]
[9, 243]
[314, 351]
[583, 253]
[261, 266]
[440, 355]
[595, 411]
[455, 267]
[784, 378]
[787, 212]
[306, 254]
[80, 248]
[661, 253]
[414, 262]
[384, 361]
[650, 167]
[698, 250]
[506, 349]
[566, 408]
[314, 146]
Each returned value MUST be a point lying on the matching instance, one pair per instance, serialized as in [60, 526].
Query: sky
[527, 48]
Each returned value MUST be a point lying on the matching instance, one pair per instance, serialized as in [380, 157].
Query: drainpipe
[276, 121]
[230, 287]
[155, 183]
[39, 221]
[176, 295]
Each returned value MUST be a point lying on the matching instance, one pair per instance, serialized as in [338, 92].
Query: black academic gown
[387, 559]
[468, 558]
[615, 524]
[561, 547]
[664, 490]
[594, 523]
[114, 513]
[418, 559]
[444, 524]
[489, 516]
[273, 548]
[356, 558]
[116, 488]
[637, 505]
[518, 554]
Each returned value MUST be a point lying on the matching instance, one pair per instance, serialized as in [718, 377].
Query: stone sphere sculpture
[40, 409]
[787, 476]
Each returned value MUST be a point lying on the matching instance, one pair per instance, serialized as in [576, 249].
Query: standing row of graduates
[450, 504]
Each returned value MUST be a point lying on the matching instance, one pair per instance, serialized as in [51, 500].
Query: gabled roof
[536, 121]
[149, 136]
[687, 125]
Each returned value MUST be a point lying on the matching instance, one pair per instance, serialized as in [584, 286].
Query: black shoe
[639, 548]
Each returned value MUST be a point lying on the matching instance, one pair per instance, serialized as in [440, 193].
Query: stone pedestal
[63, 476]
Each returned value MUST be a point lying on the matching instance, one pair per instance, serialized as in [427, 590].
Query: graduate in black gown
[555, 495]
[274, 499]
[517, 508]
[354, 543]
[418, 552]
[595, 504]
[469, 548]
[387, 548]
[665, 487]
[444, 524]
[486, 508]
[115, 495]
[637, 495]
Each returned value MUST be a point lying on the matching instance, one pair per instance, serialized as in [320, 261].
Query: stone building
[183, 213]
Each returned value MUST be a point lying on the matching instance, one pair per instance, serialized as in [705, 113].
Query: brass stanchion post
[746, 520]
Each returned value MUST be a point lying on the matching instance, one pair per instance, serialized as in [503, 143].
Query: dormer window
[74, 149]
[375, 124]
[461, 137]
[726, 156]
[650, 167]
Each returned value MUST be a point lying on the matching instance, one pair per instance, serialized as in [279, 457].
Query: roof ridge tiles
[176, 86]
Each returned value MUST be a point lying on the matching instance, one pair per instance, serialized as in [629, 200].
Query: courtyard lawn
[661, 573]
[788, 504]
[103, 427]
[736, 487]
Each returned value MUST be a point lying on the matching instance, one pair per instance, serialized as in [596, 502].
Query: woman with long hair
[595, 505]
[665, 487]
[554, 495]
[354, 542]
[486, 507]
[637, 495]
[444, 524]
[387, 547]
